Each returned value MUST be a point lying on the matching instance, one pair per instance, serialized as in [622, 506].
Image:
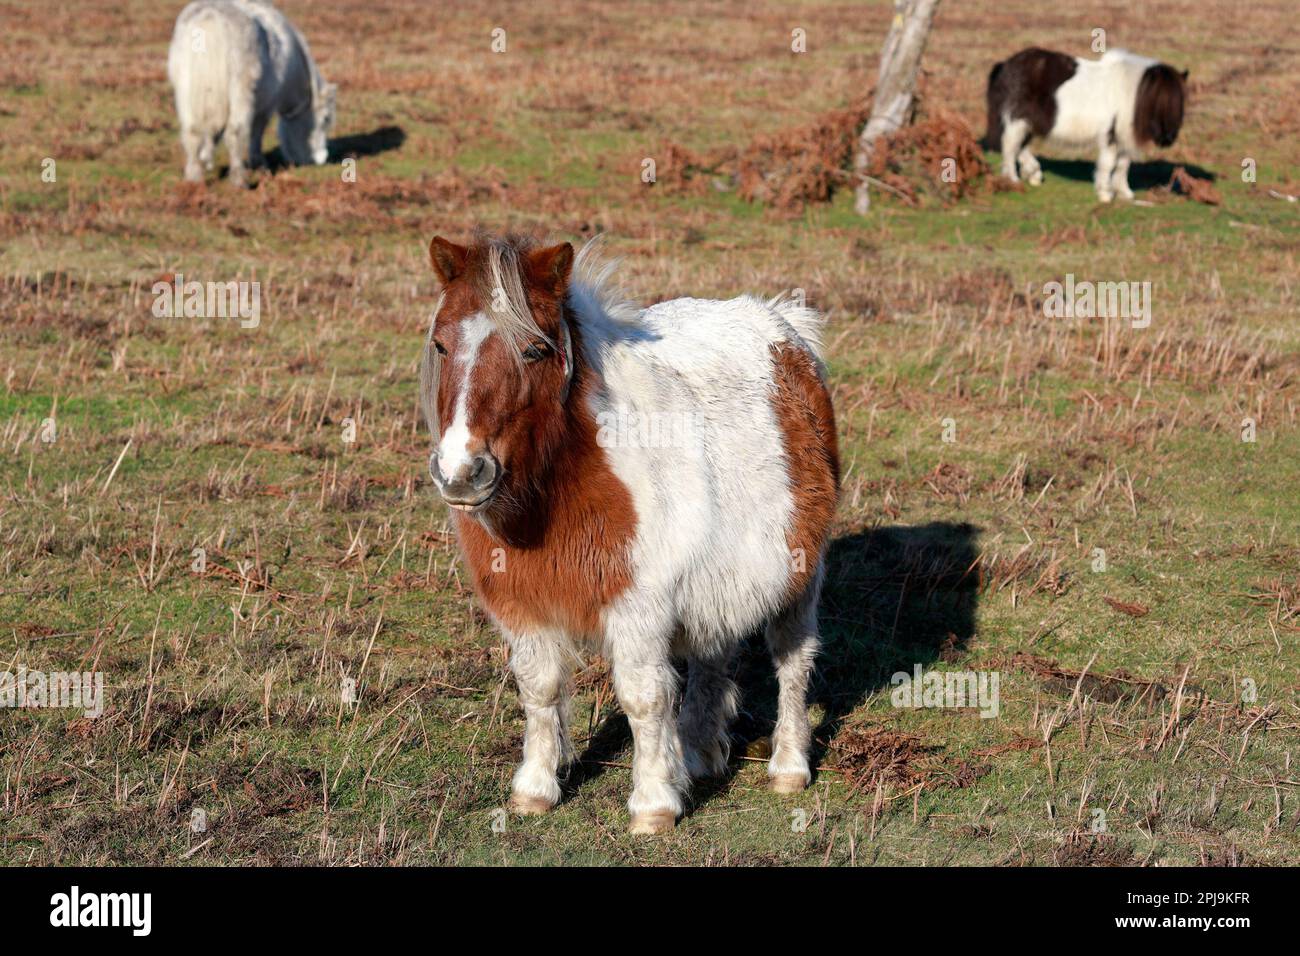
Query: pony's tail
[200, 78]
[807, 322]
[995, 96]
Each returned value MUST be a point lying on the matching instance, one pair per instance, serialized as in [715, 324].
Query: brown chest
[558, 570]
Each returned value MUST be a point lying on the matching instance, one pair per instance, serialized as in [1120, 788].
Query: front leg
[646, 684]
[256, 133]
[1107, 157]
[542, 667]
[1120, 178]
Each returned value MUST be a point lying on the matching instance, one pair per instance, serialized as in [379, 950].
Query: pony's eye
[438, 345]
[538, 350]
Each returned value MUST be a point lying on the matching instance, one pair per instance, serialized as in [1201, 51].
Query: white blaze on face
[454, 457]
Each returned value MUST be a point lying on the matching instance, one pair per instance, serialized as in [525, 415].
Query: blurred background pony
[234, 63]
[1118, 105]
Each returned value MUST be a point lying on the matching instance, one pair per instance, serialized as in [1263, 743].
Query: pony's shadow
[895, 597]
[377, 141]
[1141, 176]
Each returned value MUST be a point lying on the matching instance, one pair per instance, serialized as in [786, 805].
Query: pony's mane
[594, 288]
[495, 273]
[1159, 105]
[494, 270]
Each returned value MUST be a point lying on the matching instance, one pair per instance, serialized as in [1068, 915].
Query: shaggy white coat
[234, 63]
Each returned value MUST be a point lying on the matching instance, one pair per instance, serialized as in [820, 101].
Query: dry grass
[1067, 502]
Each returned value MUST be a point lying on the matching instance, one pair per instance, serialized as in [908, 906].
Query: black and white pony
[1119, 104]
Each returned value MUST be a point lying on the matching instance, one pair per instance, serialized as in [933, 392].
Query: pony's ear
[550, 267]
[1186, 73]
[447, 258]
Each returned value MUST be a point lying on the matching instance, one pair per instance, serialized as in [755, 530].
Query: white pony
[654, 484]
[1117, 104]
[233, 63]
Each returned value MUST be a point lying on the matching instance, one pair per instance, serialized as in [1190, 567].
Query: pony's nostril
[484, 472]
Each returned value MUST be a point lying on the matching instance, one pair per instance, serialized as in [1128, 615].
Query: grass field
[1156, 683]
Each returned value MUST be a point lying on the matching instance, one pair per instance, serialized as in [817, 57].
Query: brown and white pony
[1118, 104]
[653, 484]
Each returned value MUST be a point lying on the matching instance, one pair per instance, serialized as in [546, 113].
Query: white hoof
[527, 805]
[788, 783]
[652, 823]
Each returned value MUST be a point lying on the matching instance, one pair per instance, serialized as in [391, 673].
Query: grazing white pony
[653, 484]
[1117, 105]
[233, 63]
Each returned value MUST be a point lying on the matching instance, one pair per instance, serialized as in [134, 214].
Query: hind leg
[1014, 136]
[708, 707]
[792, 639]
[237, 146]
[239, 135]
[208, 151]
[192, 142]
[1029, 167]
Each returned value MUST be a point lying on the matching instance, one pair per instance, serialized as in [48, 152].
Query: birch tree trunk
[900, 61]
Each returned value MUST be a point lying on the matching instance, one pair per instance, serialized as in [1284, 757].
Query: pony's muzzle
[468, 484]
